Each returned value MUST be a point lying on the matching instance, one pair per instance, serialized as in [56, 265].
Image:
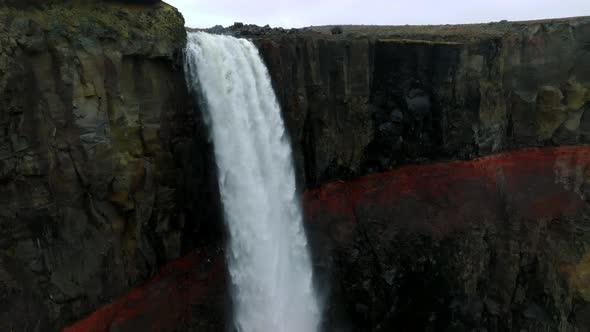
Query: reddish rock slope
[192, 286]
[496, 242]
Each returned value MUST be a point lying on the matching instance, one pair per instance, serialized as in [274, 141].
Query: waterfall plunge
[267, 253]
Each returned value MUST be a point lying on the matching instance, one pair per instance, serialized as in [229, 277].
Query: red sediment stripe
[164, 302]
[435, 199]
[441, 197]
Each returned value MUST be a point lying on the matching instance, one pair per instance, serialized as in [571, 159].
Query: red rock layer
[439, 198]
[436, 199]
[166, 302]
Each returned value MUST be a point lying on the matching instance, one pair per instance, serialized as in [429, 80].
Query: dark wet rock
[337, 30]
[218, 29]
[462, 91]
[100, 157]
[496, 244]
[240, 29]
[193, 289]
[106, 172]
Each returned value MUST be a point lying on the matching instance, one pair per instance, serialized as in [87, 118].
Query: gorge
[442, 171]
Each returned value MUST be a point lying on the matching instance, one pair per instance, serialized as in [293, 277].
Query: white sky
[300, 13]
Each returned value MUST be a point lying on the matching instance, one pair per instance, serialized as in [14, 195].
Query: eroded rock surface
[499, 243]
[372, 98]
[98, 158]
[106, 173]
[188, 294]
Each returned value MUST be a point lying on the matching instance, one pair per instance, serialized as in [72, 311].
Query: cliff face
[106, 174]
[98, 157]
[374, 98]
[499, 243]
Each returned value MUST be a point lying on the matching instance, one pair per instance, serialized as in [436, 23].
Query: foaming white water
[268, 260]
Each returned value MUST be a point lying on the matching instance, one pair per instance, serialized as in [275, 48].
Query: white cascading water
[268, 259]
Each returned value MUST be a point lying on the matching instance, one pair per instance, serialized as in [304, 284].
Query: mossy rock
[25, 3]
[156, 29]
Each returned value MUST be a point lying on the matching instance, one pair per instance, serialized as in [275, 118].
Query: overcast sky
[300, 13]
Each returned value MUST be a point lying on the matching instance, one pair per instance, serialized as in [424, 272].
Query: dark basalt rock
[239, 29]
[457, 92]
[106, 171]
[193, 289]
[25, 3]
[337, 30]
[103, 162]
[495, 244]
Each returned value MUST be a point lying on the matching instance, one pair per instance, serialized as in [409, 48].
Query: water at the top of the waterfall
[268, 259]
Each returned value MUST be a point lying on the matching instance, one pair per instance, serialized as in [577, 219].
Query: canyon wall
[374, 98]
[500, 243]
[101, 158]
[434, 195]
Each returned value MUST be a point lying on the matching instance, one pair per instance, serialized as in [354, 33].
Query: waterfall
[267, 253]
